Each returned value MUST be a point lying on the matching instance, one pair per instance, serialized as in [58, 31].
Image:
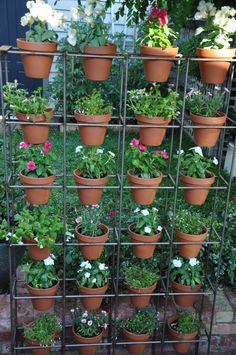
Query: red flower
[234, 199]
[24, 145]
[134, 142]
[47, 147]
[111, 214]
[31, 166]
[154, 13]
[142, 148]
[159, 14]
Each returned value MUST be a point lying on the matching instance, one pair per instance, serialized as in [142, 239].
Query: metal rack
[114, 340]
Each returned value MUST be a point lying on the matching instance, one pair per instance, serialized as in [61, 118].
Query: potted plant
[29, 108]
[91, 230]
[145, 229]
[189, 227]
[206, 109]
[151, 107]
[35, 170]
[39, 38]
[139, 328]
[93, 109]
[185, 278]
[156, 41]
[93, 167]
[92, 279]
[186, 326]
[196, 171]
[140, 280]
[217, 34]
[145, 170]
[41, 280]
[42, 332]
[88, 328]
[91, 36]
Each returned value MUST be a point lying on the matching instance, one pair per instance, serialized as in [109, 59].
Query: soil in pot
[36, 66]
[179, 347]
[141, 301]
[92, 252]
[146, 250]
[196, 196]
[190, 250]
[37, 196]
[37, 253]
[152, 136]
[136, 348]
[92, 303]
[92, 135]
[144, 196]
[86, 350]
[43, 304]
[184, 300]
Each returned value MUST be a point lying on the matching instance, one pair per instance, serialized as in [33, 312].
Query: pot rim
[196, 181]
[134, 234]
[90, 180]
[194, 236]
[45, 289]
[103, 227]
[36, 118]
[148, 180]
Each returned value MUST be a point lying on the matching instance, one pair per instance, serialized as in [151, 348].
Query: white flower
[111, 153]
[145, 212]
[136, 210]
[20, 243]
[197, 150]
[74, 13]
[85, 314]
[83, 320]
[102, 266]
[71, 39]
[78, 148]
[215, 161]
[90, 322]
[26, 19]
[147, 230]
[100, 151]
[94, 280]
[88, 10]
[86, 264]
[177, 263]
[29, 4]
[87, 275]
[72, 310]
[49, 261]
[193, 261]
[155, 209]
[179, 152]
[159, 228]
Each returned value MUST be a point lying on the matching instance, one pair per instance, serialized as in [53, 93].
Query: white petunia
[177, 263]
[100, 151]
[155, 209]
[179, 152]
[49, 261]
[83, 321]
[111, 153]
[215, 161]
[71, 39]
[159, 228]
[197, 150]
[147, 230]
[87, 275]
[145, 212]
[86, 264]
[193, 261]
[102, 266]
[74, 13]
[136, 210]
[26, 19]
[94, 280]
[78, 148]
[90, 322]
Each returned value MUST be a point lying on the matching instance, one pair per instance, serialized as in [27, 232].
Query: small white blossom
[94, 280]
[145, 212]
[100, 151]
[72, 310]
[102, 266]
[87, 275]
[90, 322]
[78, 148]
[177, 263]
[83, 321]
[74, 13]
[179, 152]
[197, 150]
[71, 39]
[111, 153]
[159, 228]
[215, 161]
[136, 210]
[49, 261]
[147, 230]
[193, 261]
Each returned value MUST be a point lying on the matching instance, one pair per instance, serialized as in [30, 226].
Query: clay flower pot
[86, 350]
[136, 348]
[180, 347]
[207, 137]
[185, 300]
[146, 250]
[89, 196]
[144, 196]
[37, 351]
[43, 304]
[157, 70]
[36, 66]
[152, 136]
[37, 253]
[92, 252]
[92, 303]
[98, 68]
[92, 135]
[214, 72]
[190, 250]
[141, 301]
[35, 134]
[196, 196]
[37, 196]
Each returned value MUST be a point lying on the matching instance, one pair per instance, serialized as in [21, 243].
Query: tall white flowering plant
[92, 274]
[146, 221]
[187, 272]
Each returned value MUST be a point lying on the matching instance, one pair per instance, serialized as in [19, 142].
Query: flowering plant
[188, 221]
[20, 100]
[145, 163]
[93, 104]
[186, 272]
[140, 277]
[187, 323]
[43, 329]
[155, 31]
[40, 274]
[146, 221]
[3, 231]
[153, 103]
[194, 164]
[39, 17]
[93, 162]
[143, 321]
[90, 220]
[219, 27]
[89, 323]
[34, 160]
[208, 103]
[92, 274]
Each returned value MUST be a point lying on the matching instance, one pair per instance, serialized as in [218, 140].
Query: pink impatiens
[31, 166]
[47, 147]
[24, 145]
[134, 142]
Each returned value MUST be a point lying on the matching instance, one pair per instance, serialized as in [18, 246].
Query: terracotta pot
[141, 301]
[180, 347]
[86, 350]
[196, 196]
[36, 66]
[35, 134]
[190, 250]
[152, 136]
[92, 135]
[92, 303]
[146, 250]
[92, 252]
[89, 196]
[136, 348]
[157, 70]
[207, 137]
[144, 196]
[98, 68]
[37, 351]
[214, 72]
[37, 196]
[43, 304]
[182, 300]
[37, 253]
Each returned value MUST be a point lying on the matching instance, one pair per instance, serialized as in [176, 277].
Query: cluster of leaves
[43, 329]
[147, 221]
[90, 220]
[196, 165]
[139, 277]
[93, 104]
[92, 274]
[190, 222]
[89, 323]
[3, 231]
[186, 272]
[143, 321]
[187, 323]
[39, 32]
[39, 275]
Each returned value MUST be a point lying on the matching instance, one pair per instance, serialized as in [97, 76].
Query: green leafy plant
[140, 277]
[89, 323]
[93, 104]
[147, 221]
[43, 329]
[40, 274]
[190, 222]
[187, 323]
[90, 220]
[94, 162]
[186, 272]
[144, 321]
[92, 274]
[153, 103]
[4, 231]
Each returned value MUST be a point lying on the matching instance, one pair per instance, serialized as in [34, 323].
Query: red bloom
[24, 145]
[111, 214]
[163, 18]
[142, 148]
[47, 147]
[31, 166]
[234, 199]
[154, 13]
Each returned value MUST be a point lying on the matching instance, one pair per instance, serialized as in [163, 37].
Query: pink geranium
[47, 147]
[142, 148]
[24, 145]
[78, 220]
[134, 142]
[31, 166]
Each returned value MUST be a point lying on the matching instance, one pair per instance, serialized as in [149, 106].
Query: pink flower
[217, 88]
[209, 93]
[111, 214]
[47, 147]
[78, 220]
[142, 148]
[134, 142]
[234, 199]
[156, 151]
[96, 206]
[31, 166]
[163, 18]
[24, 145]
[165, 155]
[226, 90]
[154, 13]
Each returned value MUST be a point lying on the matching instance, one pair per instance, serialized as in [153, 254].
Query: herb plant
[140, 277]
[40, 274]
[143, 321]
[187, 323]
[93, 104]
[190, 222]
[187, 272]
[89, 323]
[3, 231]
[90, 220]
[92, 274]
[147, 221]
[43, 329]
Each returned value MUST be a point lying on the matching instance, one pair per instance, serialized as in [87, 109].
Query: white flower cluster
[198, 150]
[42, 12]
[178, 263]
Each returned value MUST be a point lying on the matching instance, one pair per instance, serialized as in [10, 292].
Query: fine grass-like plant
[90, 220]
[139, 277]
[142, 322]
[187, 323]
[93, 104]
